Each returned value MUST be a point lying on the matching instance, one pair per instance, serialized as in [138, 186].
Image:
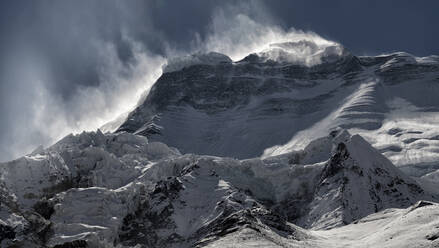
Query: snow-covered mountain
[101, 190]
[269, 152]
[207, 104]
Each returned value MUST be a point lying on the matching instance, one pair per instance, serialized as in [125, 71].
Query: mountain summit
[274, 100]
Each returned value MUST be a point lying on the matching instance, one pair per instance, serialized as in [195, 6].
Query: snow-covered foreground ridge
[105, 190]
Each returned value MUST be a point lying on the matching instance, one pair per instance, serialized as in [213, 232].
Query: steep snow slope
[275, 103]
[396, 110]
[120, 189]
[416, 226]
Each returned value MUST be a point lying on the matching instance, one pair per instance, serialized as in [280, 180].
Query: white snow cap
[211, 58]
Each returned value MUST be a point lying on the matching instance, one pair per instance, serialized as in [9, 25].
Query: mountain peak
[356, 181]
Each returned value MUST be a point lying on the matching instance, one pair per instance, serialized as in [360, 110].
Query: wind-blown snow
[303, 52]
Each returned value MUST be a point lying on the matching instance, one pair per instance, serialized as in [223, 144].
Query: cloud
[38, 115]
[70, 69]
[73, 66]
[121, 86]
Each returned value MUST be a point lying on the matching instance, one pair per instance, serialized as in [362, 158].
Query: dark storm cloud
[66, 65]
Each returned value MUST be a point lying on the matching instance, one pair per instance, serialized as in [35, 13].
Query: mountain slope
[276, 104]
[416, 226]
[355, 182]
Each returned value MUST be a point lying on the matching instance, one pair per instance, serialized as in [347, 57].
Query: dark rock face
[201, 102]
[142, 226]
[6, 232]
[73, 244]
[218, 109]
[336, 163]
[216, 88]
[44, 208]
[256, 218]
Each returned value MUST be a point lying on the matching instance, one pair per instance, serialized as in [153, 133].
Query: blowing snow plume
[47, 117]
[238, 35]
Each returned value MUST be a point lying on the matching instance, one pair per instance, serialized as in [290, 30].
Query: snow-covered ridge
[305, 52]
[120, 189]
